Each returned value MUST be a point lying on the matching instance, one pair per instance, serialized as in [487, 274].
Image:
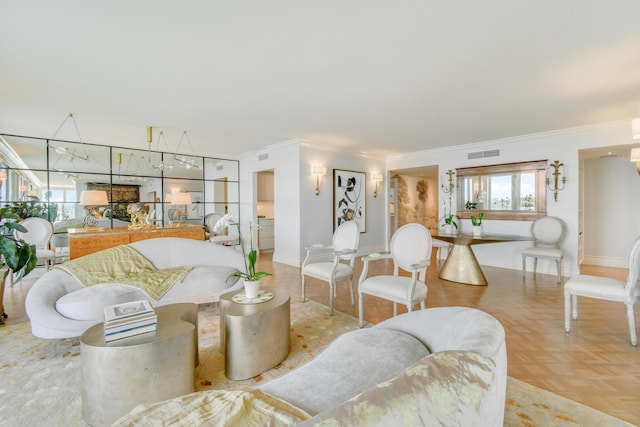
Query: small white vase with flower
[250, 276]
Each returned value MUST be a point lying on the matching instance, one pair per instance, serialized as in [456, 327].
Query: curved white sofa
[439, 366]
[59, 306]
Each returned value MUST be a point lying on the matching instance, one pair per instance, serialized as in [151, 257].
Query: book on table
[129, 319]
[138, 330]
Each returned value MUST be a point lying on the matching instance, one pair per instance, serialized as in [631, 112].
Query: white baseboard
[602, 261]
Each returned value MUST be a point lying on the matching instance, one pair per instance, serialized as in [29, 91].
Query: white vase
[252, 288]
[477, 230]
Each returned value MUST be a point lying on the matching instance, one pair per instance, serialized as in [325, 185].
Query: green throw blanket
[123, 264]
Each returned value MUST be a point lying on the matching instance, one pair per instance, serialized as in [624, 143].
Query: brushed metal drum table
[254, 337]
[118, 375]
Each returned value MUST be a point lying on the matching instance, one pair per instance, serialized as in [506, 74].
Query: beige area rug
[40, 382]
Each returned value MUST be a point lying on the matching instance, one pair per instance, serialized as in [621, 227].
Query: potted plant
[477, 224]
[17, 257]
[250, 276]
[449, 224]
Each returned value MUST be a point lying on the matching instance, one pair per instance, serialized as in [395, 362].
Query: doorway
[265, 210]
[414, 198]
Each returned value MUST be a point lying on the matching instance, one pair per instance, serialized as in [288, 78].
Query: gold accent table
[462, 265]
[87, 241]
[118, 375]
[254, 337]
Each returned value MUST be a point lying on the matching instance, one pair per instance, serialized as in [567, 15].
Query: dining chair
[39, 233]
[333, 264]
[606, 288]
[410, 250]
[547, 233]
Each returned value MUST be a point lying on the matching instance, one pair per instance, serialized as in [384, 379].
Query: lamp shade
[635, 155]
[377, 177]
[180, 198]
[93, 198]
[319, 170]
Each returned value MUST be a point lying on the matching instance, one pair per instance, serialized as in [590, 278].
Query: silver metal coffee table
[119, 375]
[254, 337]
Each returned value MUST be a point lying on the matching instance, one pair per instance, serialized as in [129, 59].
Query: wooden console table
[87, 241]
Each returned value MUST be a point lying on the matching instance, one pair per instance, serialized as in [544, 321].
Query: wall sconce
[376, 178]
[559, 179]
[635, 157]
[318, 171]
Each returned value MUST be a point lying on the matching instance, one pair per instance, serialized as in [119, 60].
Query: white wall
[561, 145]
[302, 218]
[317, 211]
[612, 209]
[284, 160]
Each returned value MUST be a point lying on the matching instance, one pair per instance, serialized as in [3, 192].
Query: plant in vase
[477, 224]
[250, 276]
[450, 224]
[17, 256]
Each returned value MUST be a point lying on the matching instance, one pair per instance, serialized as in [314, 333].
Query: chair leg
[574, 303]
[395, 309]
[559, 268]
[631, 316]
[360, 310]
[535, 265]
[353, 301]
[422, 305]
[303, 297]
[567, 312]
[332, 295]
[524, 265]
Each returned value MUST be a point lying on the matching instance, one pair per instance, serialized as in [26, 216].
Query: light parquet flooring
[595, 364]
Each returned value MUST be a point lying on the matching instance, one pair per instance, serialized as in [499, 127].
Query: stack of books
[129, 319]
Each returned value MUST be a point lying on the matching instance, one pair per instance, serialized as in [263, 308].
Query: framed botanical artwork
[349, 198]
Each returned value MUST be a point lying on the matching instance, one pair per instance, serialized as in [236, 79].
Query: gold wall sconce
[635, 157]
[319, 172]
[376, 178]
[559, 179]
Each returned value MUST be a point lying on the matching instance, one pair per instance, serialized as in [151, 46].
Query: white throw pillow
[89, 303]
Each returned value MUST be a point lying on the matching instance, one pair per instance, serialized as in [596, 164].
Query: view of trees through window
[511, 191]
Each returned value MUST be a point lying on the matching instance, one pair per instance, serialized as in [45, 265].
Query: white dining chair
[547, 233]
[334, 263]
[410, 250]
[606, 288]
[441, 245]
[39, 233]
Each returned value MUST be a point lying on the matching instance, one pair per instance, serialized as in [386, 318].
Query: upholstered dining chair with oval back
[606, 288]
[410, 249]
[333, 264]
[39, 233]
[547, 233]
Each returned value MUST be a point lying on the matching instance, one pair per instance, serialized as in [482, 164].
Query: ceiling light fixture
[72, 154]
[188, 164]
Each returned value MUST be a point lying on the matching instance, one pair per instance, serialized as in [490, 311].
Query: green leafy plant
[450, 220]
[34, 208]
[250, 273]
[17, 256]
[477, 221]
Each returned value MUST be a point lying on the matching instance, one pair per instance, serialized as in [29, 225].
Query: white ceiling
[372, 76]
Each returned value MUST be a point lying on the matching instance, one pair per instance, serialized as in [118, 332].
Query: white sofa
[59, 306]
[439, 366]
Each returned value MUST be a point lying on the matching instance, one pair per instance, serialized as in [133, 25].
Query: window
[514, 191]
